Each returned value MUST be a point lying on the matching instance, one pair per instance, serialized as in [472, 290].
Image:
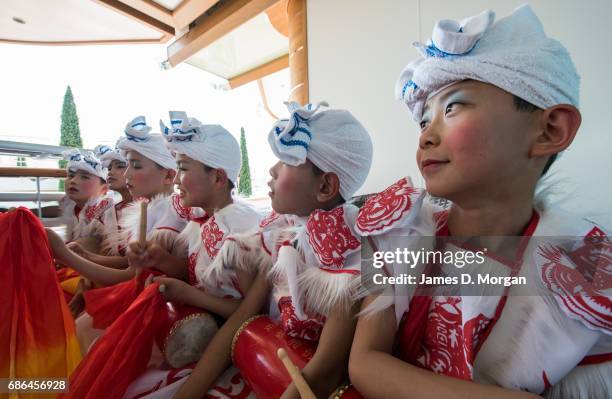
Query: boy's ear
[169, 176]
[329, 188]
[559, 127]
[221, 177]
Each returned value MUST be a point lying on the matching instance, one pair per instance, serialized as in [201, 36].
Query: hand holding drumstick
[137, 249]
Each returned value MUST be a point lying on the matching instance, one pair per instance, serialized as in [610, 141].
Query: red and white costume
[113, 241]
[204, 236]
[552, 337]
[80, 223]
[166, 218]
[314, 265]
[84, 222]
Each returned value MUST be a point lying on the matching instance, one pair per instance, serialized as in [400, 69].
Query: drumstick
[296, 376]
[142, 233]
[142, 236]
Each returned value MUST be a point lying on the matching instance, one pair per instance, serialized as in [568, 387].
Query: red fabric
[122, 353]
[417, 324]
[106, 304]
[37, 337]
[412, 329]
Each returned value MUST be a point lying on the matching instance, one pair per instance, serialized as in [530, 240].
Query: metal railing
[37, 196]
[40, 151]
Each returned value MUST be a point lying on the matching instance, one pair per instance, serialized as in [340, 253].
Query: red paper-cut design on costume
[330, 237]
[212, 237]
[309, 329]
[387, 207]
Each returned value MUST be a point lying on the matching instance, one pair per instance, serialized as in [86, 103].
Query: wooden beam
[152, 9]
[260, 71]
[162, 39]
[31, 172]
[139, 16]
[298, 51]
[277, 14]
[226, 18]
[189, 10]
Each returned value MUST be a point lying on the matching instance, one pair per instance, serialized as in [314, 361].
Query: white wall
[357, 48]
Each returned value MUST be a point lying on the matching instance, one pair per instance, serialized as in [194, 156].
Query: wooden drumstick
[142, 236]
[296, 375]
[142, 233]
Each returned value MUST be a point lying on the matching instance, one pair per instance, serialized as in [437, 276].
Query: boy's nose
[429, 138]
[272, 170]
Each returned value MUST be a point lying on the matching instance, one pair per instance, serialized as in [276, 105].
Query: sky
[113, 84]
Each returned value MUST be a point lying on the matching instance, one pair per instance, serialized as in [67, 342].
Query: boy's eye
[450, 107]
[423, 124]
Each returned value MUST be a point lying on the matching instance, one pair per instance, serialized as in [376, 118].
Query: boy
[496, 103]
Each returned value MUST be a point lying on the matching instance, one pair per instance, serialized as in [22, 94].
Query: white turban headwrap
[211, 145]
[152, 146]
[333, 140]
[86, 162]
[513, 54]
[106, 155]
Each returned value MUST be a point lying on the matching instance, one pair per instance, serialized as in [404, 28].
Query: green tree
[70, 131]
[244, 178]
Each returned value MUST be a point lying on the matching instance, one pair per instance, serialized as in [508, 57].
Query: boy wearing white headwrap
[495, 102]
[306, 253]
[149, 177]
[85, 201]
[208, 159]
[86, 194]
[111, 250]
[113, 244]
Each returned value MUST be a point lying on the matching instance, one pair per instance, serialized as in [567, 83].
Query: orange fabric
[37, 335]
[122, 353]
[69, 281]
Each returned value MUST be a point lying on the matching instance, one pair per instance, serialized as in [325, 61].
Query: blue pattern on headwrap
[293, 135]
[137, 130]
[182, 128]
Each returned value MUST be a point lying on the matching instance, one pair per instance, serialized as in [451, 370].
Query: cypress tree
[70, 131]
[244, 178]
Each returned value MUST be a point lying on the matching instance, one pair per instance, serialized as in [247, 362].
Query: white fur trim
[584, 382]
[323, 291]
[158, 206]
[239, 252]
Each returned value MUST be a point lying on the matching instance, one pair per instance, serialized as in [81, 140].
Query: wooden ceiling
[73, 22]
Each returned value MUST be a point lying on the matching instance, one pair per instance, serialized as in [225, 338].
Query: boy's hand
[174, 290]
[77, 304]
[151, 255]
[77, 249]
[58, 248]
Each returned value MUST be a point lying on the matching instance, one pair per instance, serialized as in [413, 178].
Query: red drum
[184, 334]
[254, 352]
